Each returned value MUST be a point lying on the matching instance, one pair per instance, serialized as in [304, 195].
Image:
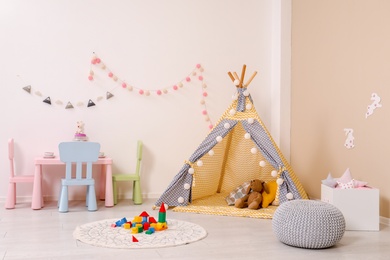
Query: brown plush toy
[253, 197]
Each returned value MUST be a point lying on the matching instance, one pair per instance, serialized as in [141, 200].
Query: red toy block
[146, 226]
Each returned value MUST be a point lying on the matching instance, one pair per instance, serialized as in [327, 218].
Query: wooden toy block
[137, 219]
[146, 226]
[134, 230]
[152, 220]
[120, 222]
[161, 226]
[126, 225]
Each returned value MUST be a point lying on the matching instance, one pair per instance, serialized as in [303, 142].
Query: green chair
[134, 177]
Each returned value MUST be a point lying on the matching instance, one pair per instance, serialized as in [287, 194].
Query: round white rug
[100, 233]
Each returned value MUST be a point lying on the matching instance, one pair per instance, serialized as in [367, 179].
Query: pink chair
[13, 179]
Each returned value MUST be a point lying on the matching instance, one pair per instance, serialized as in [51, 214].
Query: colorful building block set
[144, 223]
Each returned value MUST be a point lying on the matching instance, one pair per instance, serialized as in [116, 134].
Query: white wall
[151, 44]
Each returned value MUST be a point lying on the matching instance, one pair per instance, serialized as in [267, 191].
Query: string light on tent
[279, 181]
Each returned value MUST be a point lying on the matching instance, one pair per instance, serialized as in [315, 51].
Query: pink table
[105, 183]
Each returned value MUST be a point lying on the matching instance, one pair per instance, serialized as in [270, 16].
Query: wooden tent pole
[236, 76]
[250, 79]
[242, 75]
[231, 76]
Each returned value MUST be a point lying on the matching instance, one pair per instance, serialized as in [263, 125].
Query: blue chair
[78, 153]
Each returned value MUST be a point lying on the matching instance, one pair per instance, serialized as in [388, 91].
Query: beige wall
[340, 56]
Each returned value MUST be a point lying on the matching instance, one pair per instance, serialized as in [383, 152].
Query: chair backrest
[11, 156]
[139, 156]
[79, 153]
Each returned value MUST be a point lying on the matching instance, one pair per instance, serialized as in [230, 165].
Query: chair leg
[86, 196]
[115, 191]
[137, 195]
[91, 200]
[63, 205]
[11, 196]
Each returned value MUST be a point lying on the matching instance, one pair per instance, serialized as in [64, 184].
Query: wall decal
[349, 142]
[375, 104]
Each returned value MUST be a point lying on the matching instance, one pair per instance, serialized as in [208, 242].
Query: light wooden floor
[47, 234]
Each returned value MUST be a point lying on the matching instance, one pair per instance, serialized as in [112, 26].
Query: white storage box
[360, 206]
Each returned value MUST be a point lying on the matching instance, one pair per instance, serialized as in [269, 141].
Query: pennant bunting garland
[69, 105]
[109, 95]
[97, 63]
[90, 103]
[27, 88]
[47, 100]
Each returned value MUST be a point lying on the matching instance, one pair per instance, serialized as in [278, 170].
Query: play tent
[238, 149]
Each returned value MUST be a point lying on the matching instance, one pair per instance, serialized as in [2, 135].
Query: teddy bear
[253, 197]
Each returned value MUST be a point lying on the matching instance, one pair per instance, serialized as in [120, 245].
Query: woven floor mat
[216, 205]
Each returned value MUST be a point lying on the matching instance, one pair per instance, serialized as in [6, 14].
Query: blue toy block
[120, 222]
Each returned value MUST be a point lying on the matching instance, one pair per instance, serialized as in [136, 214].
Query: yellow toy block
[126, 225]
[134, 230]
[137, 219]
[161, 226]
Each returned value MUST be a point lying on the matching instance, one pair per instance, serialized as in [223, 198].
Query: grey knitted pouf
[308, 224]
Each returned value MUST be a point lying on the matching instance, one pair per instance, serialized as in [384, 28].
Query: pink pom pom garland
[97, 63]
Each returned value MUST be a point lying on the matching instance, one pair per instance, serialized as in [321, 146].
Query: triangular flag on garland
[69, 105]
[47, 100]
[27, 88]
[90, 103]
[109, 95]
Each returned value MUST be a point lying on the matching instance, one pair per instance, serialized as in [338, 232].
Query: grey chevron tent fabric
[239, 148]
